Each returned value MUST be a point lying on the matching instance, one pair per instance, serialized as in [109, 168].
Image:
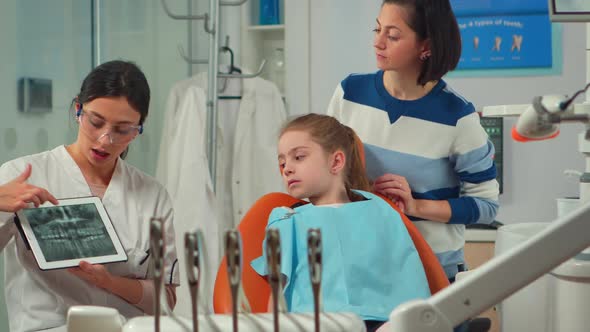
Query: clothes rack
[211, 24]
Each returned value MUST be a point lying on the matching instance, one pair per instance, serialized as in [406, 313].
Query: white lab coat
[183, 170]
[183, 165]
[40, 299]
[255, 166]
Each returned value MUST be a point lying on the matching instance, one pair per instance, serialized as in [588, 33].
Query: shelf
[480, 235]
[505, 110]
[275, 27]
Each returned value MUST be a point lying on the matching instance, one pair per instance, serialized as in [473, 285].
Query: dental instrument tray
[78, 229]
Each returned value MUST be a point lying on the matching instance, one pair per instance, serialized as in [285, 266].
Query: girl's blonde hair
[331, 135]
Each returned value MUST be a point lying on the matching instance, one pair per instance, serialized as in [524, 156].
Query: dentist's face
[107, 126]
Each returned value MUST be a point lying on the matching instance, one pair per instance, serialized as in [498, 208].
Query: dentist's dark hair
[332, 135]
[433, 20]
[117, 79]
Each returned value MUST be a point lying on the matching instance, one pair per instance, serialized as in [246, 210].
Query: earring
[78, 109]
[425, 55]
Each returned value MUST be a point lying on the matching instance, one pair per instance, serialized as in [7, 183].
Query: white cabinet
[263, 42]
[260, 42]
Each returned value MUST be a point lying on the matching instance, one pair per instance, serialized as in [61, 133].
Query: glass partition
[47, 49]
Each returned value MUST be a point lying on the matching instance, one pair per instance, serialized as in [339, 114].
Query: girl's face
[396, 45]
[308, 171]
[106, 127]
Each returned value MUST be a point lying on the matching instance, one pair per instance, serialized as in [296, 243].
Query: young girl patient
[370, 264]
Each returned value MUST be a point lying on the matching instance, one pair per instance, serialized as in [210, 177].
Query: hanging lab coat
[182, 168]
[255, 169]
[40, 299]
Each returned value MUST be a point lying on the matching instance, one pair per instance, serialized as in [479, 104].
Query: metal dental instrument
[273, 261]
[192, 245]
[233, 255]
[157, 250]
[314, 256]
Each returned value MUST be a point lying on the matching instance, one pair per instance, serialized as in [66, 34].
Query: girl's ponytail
[357, 174]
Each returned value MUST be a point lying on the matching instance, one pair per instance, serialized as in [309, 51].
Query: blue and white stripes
[436, 142]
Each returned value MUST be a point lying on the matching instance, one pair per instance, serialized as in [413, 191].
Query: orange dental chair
[252, 229]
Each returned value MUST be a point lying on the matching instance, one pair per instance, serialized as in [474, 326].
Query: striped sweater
[435, 142]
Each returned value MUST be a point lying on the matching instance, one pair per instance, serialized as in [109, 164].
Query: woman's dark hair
[117, 79]
[434, 20]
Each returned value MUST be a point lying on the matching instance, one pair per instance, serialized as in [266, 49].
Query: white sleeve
[473, 159]
[7, 227]
[171, 268]
[335, 106]
[148, 296]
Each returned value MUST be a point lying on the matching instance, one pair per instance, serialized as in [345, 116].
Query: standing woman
[424, 145]
[110, 109]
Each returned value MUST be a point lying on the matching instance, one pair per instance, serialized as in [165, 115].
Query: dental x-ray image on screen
[70, 232]
[77, 229]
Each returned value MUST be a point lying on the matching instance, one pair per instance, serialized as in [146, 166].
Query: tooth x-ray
[78, 229]
[70, 232]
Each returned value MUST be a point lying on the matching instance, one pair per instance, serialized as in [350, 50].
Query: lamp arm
[498, 278]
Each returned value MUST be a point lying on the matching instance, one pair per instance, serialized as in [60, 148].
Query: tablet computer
[78, 229]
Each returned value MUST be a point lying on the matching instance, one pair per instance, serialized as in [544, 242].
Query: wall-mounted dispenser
[34, 95]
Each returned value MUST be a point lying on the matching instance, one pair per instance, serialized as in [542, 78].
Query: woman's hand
[396, 188]
[16, 194]
[95, 274]
[128, 289]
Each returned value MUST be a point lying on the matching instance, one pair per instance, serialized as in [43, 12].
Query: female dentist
[110, 109]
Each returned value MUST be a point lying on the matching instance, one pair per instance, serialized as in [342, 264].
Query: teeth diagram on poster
[501, 34]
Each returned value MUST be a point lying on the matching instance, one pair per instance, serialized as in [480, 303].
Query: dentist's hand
[17, 193]
[95, 274]
[129, 289]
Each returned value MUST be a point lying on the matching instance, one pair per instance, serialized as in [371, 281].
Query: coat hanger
[232, 68]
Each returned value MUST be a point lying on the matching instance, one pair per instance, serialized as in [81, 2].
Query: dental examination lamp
[541, 121]
[505, 274]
